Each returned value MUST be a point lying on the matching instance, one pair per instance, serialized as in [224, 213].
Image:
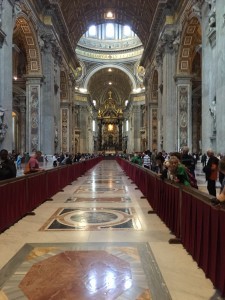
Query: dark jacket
[208, 168]
[7, 169]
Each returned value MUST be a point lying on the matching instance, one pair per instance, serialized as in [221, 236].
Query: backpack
[192, 179]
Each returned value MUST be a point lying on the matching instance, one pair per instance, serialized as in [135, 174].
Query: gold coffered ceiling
[80, 14]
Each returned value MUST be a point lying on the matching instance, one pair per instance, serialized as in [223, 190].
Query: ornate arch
[191, 38]
[23, 31]
[131, 77]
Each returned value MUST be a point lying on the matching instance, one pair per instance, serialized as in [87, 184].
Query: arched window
[110, 32]
[92, 31]
[126, 30]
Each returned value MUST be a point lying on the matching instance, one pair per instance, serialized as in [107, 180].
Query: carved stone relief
[183, 114]
[154, 127]
[34, 107]
[65, 128]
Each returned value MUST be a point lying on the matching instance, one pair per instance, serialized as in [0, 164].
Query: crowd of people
[176, 166]
[180, 168]
[12, 163]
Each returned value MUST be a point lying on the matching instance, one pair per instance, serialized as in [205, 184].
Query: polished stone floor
[97, 241]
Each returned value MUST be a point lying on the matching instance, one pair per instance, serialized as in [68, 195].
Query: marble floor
[96, 240]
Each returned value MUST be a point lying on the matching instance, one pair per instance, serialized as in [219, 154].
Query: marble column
[6, 33]
[184, 112]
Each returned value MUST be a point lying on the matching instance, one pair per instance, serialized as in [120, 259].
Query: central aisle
[97, 241]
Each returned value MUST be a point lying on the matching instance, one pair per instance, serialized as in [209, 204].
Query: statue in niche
[212, 110]
[212, 14]
[2, 114]
[196, 8]
[3, 126]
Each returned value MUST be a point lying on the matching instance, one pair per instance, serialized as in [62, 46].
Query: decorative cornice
[164, 8]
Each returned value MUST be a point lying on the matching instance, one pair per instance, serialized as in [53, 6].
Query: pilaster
[6, 33]
[33, 113]
[184, 111]
[137, 127]
[50, 102]
[167, 53]
[22, 124]
[220, 75]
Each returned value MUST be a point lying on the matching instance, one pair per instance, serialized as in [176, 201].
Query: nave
[96, 240]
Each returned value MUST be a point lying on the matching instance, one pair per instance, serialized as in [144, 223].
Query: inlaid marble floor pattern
[95, 240]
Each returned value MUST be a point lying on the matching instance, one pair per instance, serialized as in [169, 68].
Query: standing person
[46, 159]
[203, 160]
[7, 166]
[33, 162]
[211, 172]
[54, 160]
[159, 162]
[27, 157]
[188, 160]
[153, 160]
[19, 161]
[136, 159]
[221, 197]
[146, 160]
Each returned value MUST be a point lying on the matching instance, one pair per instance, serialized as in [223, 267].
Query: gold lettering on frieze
[140, 98]
[110, 56]
[80, 98]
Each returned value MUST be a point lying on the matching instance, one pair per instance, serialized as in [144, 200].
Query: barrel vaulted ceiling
[145, 18]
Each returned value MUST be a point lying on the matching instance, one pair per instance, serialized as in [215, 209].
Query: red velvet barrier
[151, 190]
[52, 179]
[20, 196]
[36, 190]
[203, 236]
[79, 169]
[13, 203]
[220, 262]
[190, 217]
[168, 206]
[71, 176]
[63, 177]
